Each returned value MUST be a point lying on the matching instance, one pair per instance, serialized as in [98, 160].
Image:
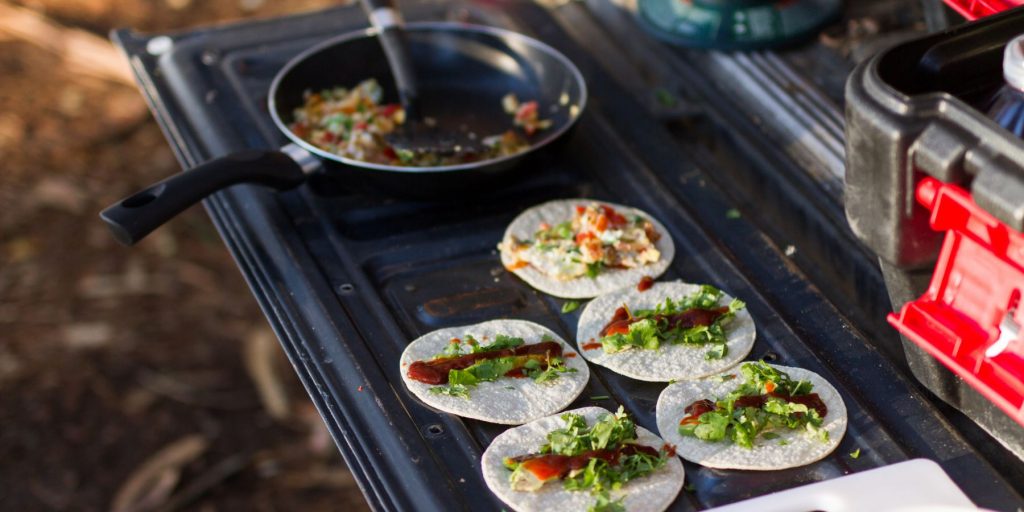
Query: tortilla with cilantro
[501, 371]
[781, 417]
[657, 335]
[581, 248]
[645, 476]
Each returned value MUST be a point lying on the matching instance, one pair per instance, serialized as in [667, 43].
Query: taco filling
[768, 400]
[597, 458]
[695, 320]
[353, 123]
[596, 238]
[464, 364]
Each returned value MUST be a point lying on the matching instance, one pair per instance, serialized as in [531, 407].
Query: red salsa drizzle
[621, 320]
[696, 409]
[548, 466]
[646, 282]
[436, 371]
[669, 449]
[593, 345]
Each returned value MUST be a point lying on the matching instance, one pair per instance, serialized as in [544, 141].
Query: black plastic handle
[134, 217]
[385, 17]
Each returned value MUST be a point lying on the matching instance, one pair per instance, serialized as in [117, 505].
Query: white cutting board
[915, 485]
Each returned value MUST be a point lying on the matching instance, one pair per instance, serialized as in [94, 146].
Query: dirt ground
[131, 379]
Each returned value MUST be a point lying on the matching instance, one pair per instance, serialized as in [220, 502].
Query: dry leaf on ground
[151, 484]
[261, 354]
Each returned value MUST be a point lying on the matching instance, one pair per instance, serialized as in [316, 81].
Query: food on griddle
[671, 331]
[581, 248]
[354, 123]
[763, 417]
[502, 371]
[584, 459]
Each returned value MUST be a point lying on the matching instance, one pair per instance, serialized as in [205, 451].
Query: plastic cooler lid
[970, 315]
[974, 9]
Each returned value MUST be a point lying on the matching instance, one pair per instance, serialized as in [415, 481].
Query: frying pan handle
[385, 17]
[133, 217]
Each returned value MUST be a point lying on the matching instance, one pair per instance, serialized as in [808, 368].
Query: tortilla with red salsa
[581, 460]
[758, 417]
[501, 371]
[670, 331]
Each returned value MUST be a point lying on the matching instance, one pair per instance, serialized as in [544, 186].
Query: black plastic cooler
[916, 111]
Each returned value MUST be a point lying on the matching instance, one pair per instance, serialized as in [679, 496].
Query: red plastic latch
[969, 317]
[974, 9]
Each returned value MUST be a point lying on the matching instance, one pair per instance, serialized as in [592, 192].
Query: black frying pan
[462, 70]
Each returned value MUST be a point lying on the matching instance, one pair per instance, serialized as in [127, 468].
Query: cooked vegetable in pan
[354, 123]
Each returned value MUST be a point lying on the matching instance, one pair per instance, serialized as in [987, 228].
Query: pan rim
[426, 26]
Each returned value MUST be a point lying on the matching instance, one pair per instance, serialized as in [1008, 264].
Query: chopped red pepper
[583, 237]
[615, 217]
[526, 110]
[389, 109]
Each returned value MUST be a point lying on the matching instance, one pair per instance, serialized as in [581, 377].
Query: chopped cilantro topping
[593, 269]
[855, 454]
[570, 306]
[605, 503]
[502, 341]
[405, 155]
[456, 390]
[642, 334]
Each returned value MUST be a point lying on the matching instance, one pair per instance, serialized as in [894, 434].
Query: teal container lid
[735, 24]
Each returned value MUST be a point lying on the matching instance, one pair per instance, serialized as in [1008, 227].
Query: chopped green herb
[717, 351]
[732, 213]
[855, 454]
[770, 435]
[642, 334]
[452, 349]
[561, 231]
[456, 390]
[593, 269]
[665, 98]
[501, 341]
[570, 306]
[783, 442]
[605, 503]
[405, 155]
[600, 397]
[555, 367]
